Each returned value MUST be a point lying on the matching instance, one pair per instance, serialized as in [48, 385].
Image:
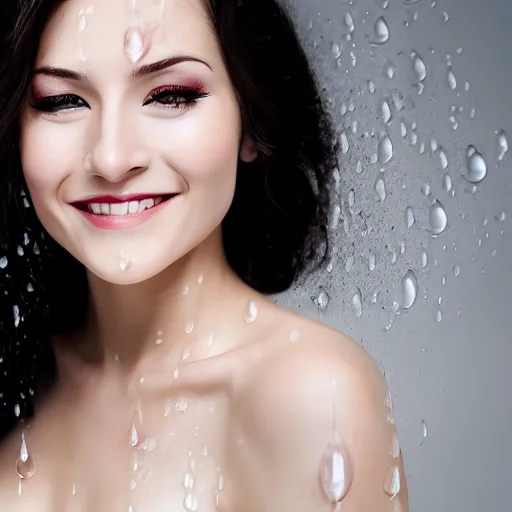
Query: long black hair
[273, 232]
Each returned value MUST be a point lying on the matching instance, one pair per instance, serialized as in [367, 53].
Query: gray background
[450, 369]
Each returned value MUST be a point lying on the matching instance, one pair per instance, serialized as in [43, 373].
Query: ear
[248, 150]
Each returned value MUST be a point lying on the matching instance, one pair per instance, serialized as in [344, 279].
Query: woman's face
[130, 167]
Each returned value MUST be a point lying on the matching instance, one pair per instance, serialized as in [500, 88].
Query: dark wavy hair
[274, 231]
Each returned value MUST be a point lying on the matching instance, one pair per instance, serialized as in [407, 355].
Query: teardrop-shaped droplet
[438, 218]
[392, 481]
[409, 289]
[380, 32]
[385, 150]
[344, 143]
[336, 50]
[419, 67]
[134, 436]
[380, 189]
[3, 262]
[447, 182]
[135, 44]
[25, 465]
[357, 304]
[476, 166]
[335, 473]
[385, 112]
[372, 259]
[322, 299]
[349, 22]
[443, 159]
[452, 81]
[409, 217]
[252, 313]
[502, 144]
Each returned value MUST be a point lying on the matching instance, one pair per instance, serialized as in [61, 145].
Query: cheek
[45, 156]
[203, 146]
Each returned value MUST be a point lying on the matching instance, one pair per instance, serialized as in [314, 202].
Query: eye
[175, 97]
[60, 103]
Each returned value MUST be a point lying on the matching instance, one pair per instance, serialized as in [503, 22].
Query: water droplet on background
[357, 303]
[380, 32]
[438, 218]
[476, 166]
[419, 66]
[385, 112]
[385, 150]
[502, 144]
[344, 143]
[380, 189]
[452, 81]
[3, 262]
[321, 300]
[409, 217]
[409, 289]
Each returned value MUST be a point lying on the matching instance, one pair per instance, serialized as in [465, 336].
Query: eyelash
[181, 97]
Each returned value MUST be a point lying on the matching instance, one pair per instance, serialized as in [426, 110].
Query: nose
[117, 151]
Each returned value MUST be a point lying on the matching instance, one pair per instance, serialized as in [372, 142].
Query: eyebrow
[145, 70]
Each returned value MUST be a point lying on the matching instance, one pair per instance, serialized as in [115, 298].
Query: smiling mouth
[117, 207]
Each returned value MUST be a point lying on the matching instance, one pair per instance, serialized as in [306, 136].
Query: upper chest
[178, 452]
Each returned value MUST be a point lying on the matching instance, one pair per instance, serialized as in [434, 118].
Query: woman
[177, 158]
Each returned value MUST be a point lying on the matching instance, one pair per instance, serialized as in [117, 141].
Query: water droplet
[125, 262]
[349, 22]
[371, 260]
[452, 81]
[16, 314]
[344, 143]
[190, 503]
[380, 189]
[359, 167]
[135, 44]
[351, 198]
[424, 260]
[181, 404]
[392, 481]
[389, 70]
[335, 473]
[3, 262]
[17, 410]
[447, 182]
[424, 430]
[385, 150]
[134, 436]
[396, 446]
[380, 32]
[294, 335]
[25, 465]
[456, 270]
[439, 316]
[185, 290]
[419, 66]
[502, 144]
[445, 17]
[371, 86]
[501, 217]
[438, 218]
[409, 289]
[252, 313]
[357, 303]
[336, 50]
[321, 300]
[476, 167]
[403, 130]
[385, 112]
[443, 159]
[409, 217]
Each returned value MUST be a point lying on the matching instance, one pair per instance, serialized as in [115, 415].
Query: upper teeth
[123, 208]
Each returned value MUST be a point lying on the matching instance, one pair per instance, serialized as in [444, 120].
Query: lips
[121, 212]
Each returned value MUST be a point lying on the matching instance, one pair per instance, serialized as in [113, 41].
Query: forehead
[91, 32]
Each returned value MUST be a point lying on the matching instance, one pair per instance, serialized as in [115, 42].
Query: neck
[175, 315]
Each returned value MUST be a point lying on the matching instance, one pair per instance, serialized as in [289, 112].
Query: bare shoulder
[314, 388]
